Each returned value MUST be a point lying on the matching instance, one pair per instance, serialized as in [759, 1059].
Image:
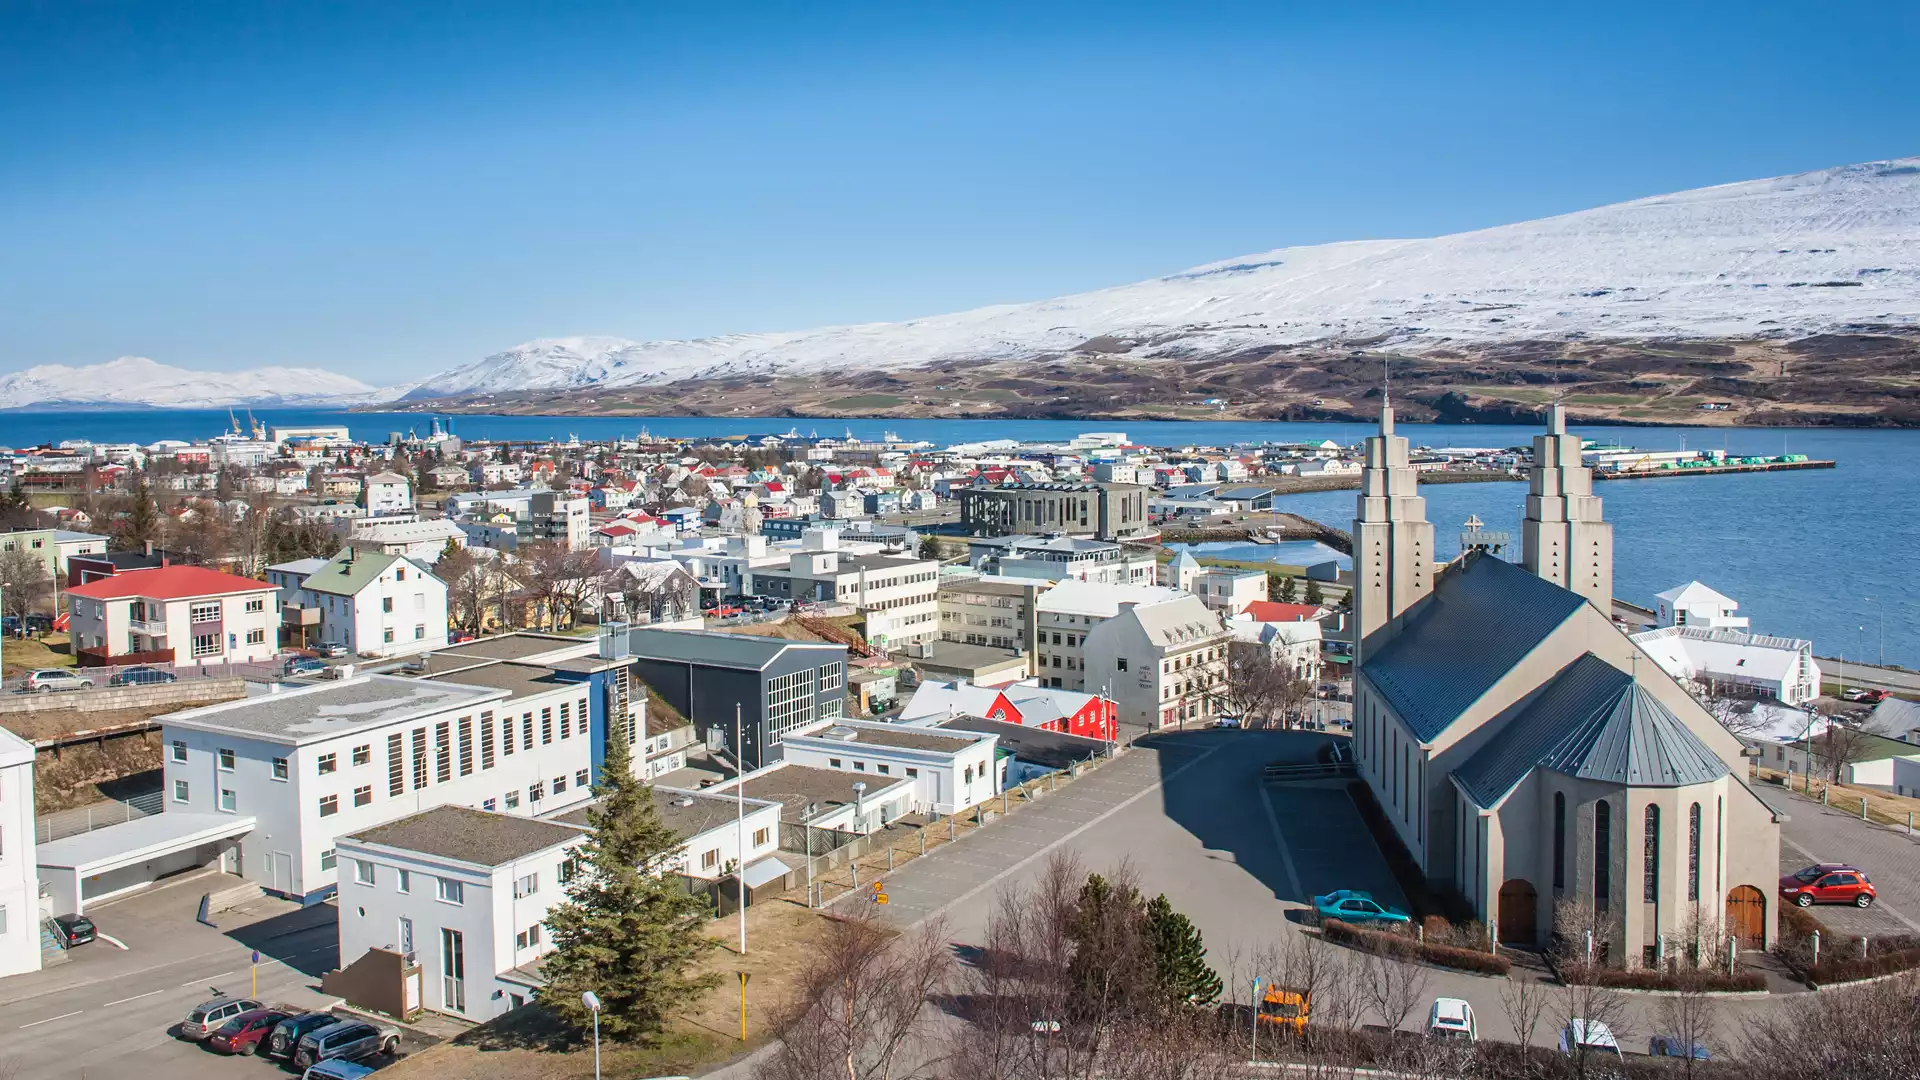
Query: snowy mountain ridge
[138, 381]
[1778, 257]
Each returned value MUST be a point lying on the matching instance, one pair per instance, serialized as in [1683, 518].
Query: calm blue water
[1827, 554]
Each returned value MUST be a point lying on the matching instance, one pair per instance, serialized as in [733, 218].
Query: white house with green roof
[374, 604]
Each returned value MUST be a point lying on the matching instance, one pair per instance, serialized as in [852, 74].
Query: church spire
[1392, 539]
[1564, 539]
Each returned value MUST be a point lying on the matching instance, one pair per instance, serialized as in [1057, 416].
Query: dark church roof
[1484, 617]
[1593, 721]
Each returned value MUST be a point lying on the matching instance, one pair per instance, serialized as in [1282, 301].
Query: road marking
[135, 997]
[1881, 904]
[51, 1019]
[1279, 841]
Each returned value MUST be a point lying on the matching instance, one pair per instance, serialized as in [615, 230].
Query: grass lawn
[23, 654]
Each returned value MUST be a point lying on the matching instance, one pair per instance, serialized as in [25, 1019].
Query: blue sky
[388, 189]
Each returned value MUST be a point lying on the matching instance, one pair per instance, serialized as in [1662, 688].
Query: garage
[92, 866]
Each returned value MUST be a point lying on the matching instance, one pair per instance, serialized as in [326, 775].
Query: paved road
[1815, 833]
[1853, 674]
[108, 1013]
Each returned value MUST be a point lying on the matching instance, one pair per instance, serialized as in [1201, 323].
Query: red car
[247, 1033]
[1828, 883]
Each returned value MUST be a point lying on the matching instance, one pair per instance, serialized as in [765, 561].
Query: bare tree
[1689, 1015]
[1583, 1008]
[1857, 1033]
[1393, 986]
[1260, 687]
[1840, 745]
[23, 582]
[1524, 1000]
[863, 1004]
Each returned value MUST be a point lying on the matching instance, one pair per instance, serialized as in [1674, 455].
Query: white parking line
[135, 997]
[51, 1019]
[1280, 842]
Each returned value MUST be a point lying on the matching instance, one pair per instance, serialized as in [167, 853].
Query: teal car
[1356, 907]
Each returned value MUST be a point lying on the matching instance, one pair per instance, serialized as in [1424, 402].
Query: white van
[1592, 1035]
[1452, 1018]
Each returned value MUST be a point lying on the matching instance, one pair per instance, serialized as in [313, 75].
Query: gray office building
[1102, 511]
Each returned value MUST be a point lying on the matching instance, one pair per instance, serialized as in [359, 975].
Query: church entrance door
[1519, 906]
[1747, 916]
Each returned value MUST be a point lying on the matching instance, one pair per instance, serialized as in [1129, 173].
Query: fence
[104, 676]
[85, 819]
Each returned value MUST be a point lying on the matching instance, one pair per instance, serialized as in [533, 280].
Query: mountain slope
[1766, 258]
[138, 381]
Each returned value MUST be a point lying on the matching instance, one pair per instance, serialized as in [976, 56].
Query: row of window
[537, 791]
[572, 717]
[879, 767]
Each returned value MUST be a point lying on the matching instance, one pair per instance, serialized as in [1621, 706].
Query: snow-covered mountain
[1778, 257]
[138, 381]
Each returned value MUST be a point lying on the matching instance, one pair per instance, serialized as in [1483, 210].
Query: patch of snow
[136, 380]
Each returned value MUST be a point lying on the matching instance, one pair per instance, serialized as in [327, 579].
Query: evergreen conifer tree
[1289, 590]
[1315, 594]
[1179, 957]
[628, 931]
[142, 523]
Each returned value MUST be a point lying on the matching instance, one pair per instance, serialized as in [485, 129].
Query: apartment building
[997, 612]
[1053, 558]
[558, 516]
[19, 869]
[1229, 591]
[174, 614]
[1165, 663]
[899, 595]
[1103, 511]
[374, 604]
[465, 892]
[827, 798]
[1067, 614]
[386, 493]
[719, 833]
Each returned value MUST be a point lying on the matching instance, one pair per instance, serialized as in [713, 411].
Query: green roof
[348, 572]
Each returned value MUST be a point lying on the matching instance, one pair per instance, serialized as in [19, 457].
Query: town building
[1522, 750]
[1000, 613]
[1102, 511]
[1051, 558]
[374, 604]
[1696, 605]
[1164, 664]
[53, 547]
[421, 541]
[828, 799]
[19, 869]
[386, 493]
[1734, 663]
[951, 771]
[897, 594]
[185, 615]
[1229, 591]
[1067, 613]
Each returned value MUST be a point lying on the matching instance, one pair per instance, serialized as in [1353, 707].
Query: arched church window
[1651, 867]
[1693, 853]
[1559, 840]
[1602, 855]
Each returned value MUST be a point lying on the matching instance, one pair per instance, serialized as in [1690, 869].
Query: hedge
[1405, 948]
[1887, 954]
[1649, 979]
[1827, 972]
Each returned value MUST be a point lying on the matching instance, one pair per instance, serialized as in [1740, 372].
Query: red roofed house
[1276, 611]
[174, 614]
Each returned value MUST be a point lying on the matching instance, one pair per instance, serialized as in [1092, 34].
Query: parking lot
[112, 1013]
[1814, 833]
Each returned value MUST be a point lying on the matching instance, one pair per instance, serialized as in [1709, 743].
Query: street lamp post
[592, 1001]
[740, 824]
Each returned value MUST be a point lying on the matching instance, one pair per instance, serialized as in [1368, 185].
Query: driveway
[1814, 833]
[108, 1013]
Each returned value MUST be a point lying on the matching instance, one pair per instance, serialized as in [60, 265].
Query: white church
[1527, 751]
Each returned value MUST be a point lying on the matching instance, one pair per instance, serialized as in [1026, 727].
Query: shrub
[1650, 979]
[1401, 947]
[1851, 969]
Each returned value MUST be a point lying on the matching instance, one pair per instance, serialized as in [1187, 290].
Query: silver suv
[206, 1017]
[39, 682]
[350, 1040]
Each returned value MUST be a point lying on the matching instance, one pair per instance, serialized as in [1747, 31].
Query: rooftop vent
[844, 734]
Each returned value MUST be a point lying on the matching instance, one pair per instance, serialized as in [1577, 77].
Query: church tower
[1564, 538]
[1392, 540]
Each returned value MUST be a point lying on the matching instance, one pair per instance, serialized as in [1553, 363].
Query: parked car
[330, 648]
[460, 637]
[1286, 1007]
[73, 930]
[351, 1040]
[50, 679]
[1594, 1036]
[304, 665]
[1225, 721]
[1452, 1018]
[1829, 883]
[208, 1016]
[338, 1069]
[244, 1033]
[1359, 908]
[287, 1035]
[143, 676]
[1861, 693]
[1675, 1046]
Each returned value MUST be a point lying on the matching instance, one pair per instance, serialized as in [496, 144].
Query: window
[466, 746]
[486, 740]
[363, 795]
[1602, 855]
[528, 938]
[859, 766]
[882, 768]
[419, 758]
[405, 882]
[206, 644]
[912, 773]
[559, 784]
[760, 837]
[580, 778]
[329, 805]
[546, 726]
[363, 754]
[526, 730]
[179, 751]
[1120, 663]
[489, 804]
[399, 573]
[566, 719]
[328, 763]
[831, 675]
[789, 702]
[279, 768]
[396, 765]
[363, 871]
[328, 859]
[833, 763]
[204, 613]
[526, 886]
[536, 791]
[386, 605]
[226, 760]
[256, 637]
[419, 631]
[229, 802]
[256, 604]
[180, 791]
[513, 799]
[710, 859]
[1650, 868]
[451, 891]
[506, 734]
[386, 636]
[569, 868]
[1693, 853]
[1559, 840]
[443, 751]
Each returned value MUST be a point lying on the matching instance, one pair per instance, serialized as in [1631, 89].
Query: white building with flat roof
[1696, 605]
[951, 771]
[1734, 663]
[19, 875]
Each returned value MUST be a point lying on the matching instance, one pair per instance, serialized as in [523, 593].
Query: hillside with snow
[1773, 258]
[139, 382]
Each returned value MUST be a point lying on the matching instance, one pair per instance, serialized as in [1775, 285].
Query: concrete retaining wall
[105, 698]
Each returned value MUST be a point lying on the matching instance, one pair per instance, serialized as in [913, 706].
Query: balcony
[297, 616]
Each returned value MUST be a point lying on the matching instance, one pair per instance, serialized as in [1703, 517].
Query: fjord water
[1830, 555]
